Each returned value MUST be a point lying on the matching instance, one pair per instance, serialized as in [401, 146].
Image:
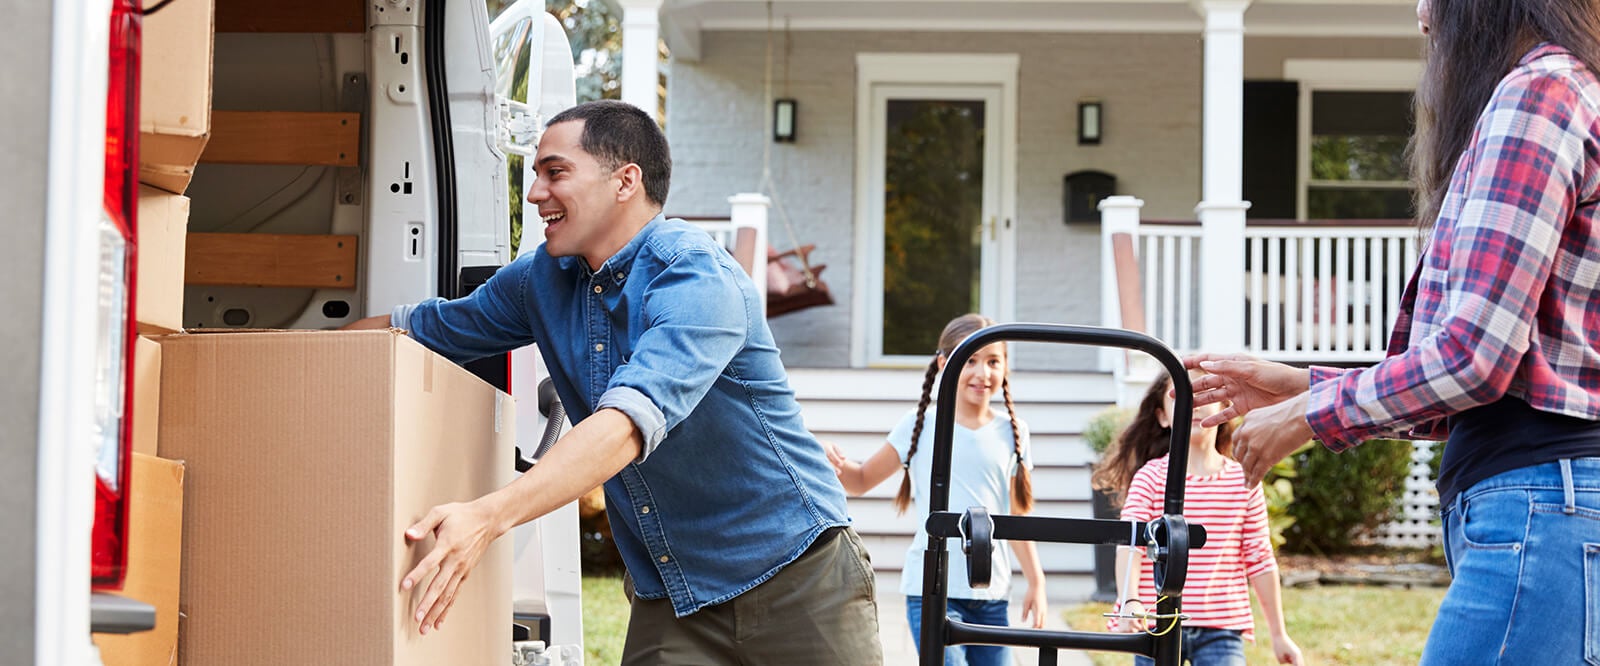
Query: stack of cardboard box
[274, 472]
[175, 120]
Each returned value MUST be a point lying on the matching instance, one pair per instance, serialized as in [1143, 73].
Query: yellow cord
[1170, 625]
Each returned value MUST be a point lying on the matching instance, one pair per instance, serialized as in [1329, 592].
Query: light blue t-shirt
[982, 463]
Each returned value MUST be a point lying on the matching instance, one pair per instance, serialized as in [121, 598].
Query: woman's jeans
[1204, 646]
[971, 611]
[1524, 550]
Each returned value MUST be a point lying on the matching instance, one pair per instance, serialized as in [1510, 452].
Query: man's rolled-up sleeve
[696, 319]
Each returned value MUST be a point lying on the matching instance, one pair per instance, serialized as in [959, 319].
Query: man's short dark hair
[618, 133]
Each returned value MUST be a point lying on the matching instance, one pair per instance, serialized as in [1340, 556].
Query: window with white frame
[1357, 155]
[1355, 121]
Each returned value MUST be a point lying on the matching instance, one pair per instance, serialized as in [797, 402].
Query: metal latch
[519, 128]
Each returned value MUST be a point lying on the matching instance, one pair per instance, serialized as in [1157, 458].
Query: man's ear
[630, 181]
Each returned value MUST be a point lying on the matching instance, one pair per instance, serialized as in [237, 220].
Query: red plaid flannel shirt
[1506, 299]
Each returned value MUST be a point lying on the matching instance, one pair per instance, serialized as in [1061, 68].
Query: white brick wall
[1150, 86]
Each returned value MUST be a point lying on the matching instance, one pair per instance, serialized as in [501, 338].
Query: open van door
[533, 61]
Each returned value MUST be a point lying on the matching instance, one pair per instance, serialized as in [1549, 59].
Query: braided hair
[955, 332]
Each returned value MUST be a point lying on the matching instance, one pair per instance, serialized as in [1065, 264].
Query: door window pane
[932, 209]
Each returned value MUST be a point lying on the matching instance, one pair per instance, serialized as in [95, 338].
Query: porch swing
[793, 283]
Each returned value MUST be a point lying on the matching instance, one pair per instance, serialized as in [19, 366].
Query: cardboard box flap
[175, 93]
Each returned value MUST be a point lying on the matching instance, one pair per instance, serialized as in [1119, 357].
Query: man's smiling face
[575, 194]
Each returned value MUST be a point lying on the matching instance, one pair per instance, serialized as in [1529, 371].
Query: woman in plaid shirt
[1497, 347]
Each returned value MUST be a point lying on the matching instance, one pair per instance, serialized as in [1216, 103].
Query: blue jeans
[971, 611]
[1205, 646]
[1524, 550]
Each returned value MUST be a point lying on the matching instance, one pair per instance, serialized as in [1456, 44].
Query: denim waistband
[1569, 475]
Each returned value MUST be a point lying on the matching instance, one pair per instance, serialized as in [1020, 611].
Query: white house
[1256, 146]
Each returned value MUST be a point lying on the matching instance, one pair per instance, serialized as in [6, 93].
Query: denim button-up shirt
[730, 486]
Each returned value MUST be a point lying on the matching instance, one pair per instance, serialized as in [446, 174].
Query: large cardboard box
[155, 527]
[309, 454]
[146, 395]
[175, 93]
[163, 237]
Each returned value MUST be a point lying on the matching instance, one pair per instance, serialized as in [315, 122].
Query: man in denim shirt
[725, 508]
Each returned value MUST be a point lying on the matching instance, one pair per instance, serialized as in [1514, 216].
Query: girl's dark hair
[954, 332]
[1471, 45]
[1145, 439]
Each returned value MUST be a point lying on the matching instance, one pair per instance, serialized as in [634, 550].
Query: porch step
[855, 409]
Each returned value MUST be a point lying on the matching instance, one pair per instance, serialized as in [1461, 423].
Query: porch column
[641, 32]
[1118, 215]
[1222, 208]
[749, 211]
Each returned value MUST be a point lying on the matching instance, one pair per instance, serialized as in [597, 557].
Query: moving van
[175, 165]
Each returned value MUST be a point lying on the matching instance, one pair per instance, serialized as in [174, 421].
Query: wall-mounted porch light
[1089, 119]
[783, 112]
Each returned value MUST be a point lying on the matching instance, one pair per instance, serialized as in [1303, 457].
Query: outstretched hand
[1244, 383]
[463, 533]
[1269, 435]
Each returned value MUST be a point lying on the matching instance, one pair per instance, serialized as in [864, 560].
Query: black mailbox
[1083, 191]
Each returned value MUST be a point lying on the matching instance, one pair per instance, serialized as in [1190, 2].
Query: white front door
[935, 191]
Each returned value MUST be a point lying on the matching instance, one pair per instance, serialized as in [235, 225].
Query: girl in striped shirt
[1237, 556]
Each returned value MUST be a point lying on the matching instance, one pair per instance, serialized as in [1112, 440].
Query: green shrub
[1340, 500]
[1102, 428]
[1278, 490]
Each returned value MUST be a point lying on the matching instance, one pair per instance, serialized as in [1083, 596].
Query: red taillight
[117, 331]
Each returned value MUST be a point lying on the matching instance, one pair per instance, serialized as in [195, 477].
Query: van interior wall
[279, 72]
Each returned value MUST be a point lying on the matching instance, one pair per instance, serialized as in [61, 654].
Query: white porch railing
[744, 233]
[1313, 291]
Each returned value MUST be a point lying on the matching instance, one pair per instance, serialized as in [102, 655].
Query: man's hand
[463, 532]
[1270, 434]
[1245, 382]
[370, 323]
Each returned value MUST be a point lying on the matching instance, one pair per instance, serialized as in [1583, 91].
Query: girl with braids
[989, 466]
[1496, 345]
[1237, 556]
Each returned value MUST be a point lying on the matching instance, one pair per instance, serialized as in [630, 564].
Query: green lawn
[1342, 624]
[605, 619]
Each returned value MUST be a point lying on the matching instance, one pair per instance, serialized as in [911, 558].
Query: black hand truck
[1166, 540]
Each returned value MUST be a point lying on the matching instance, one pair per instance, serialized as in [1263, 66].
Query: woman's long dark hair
[1145, 439]
[1471, 45]
[957, 330]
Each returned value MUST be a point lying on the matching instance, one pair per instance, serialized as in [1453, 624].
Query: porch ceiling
[683, 20]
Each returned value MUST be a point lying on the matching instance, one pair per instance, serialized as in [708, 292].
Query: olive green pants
[820, 609]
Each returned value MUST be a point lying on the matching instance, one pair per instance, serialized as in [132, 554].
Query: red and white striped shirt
[1238, 546]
